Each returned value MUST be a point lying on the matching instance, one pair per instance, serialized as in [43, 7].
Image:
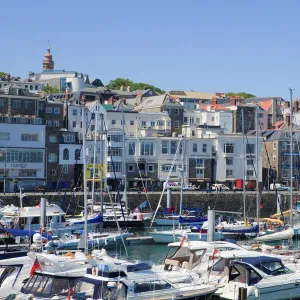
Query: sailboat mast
[124, 162]
[84, 178]
[245, 161]
[94, 156]
[257, 169]
[182, 169]
[291, 154]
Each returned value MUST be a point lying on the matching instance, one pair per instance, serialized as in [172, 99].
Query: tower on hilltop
[48, 63]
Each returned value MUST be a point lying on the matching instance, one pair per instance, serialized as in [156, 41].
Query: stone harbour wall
[227, 201]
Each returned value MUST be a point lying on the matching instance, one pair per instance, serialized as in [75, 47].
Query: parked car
[220, 187]
[190, 188]
[279, 187]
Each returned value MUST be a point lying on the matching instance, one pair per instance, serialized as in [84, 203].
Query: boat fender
[256, 294]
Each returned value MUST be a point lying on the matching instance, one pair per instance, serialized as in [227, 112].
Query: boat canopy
[257, 261]
[273, 221]
[51, 210]
[30, 233]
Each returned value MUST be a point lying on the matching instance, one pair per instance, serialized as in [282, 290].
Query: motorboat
[52, 276]
[263, 277]
[170, 236]
[118, 279]
[273, 236]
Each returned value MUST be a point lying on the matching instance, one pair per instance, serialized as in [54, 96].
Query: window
[199, 163]
[250, 162]
[74, 124]
[274, 157]
[65, 169]
[52, 172]
[284, 146]
[4, 136]
[229, 172]
[131, 146]
[131, 122]
[113, 122]
[28, 104]
[69, 137]
[250, 148]
[193, 132]
[52, 157]
[152, 123]
[200, 173]
[228, 148]
[114, 151]
[150, 168]
[92, 127]
[49, 123]
[173, 147]
[229, 161]
[16, 104]
[66, 154]
[176, 111]
[167, 168]
[93, 116]
[52, 139]
[27, 137]
[274, 146]
[114, 166]
[131, 168]
[164, 147]
[77, 154]
[74, 112]
[49, 110]
[176, 124]
[143, 123]
[31, 87]
[250, 172]
[56, 110]
[56, 123]
[27, 173]
[1, 103]
[204, 148]
[115, 138]
[185, 120]
[36, 87]
[212, 119]
[192, 120]
[147, 148]
[195, 149]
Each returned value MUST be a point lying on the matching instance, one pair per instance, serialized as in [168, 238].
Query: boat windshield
[143, 287]
[6, 271]
[46, 286]
[273, 268]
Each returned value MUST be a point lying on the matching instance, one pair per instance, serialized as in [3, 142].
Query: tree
[2, 74]
[240, 94]
[117, 83]
[50, 90]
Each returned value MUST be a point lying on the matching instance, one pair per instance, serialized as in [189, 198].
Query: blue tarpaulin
[21, 232]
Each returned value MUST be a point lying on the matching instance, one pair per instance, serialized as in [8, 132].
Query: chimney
[8, 76]
[288, 120]
[233, 100]
[286, 104]
[214, 101]
[296, 105]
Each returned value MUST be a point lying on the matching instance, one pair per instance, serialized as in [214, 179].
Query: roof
[157, 101]
[266, 104]
[279, 125]
[192, 94]
[214, 107]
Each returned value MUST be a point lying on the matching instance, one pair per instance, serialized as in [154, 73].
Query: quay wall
[227, 201]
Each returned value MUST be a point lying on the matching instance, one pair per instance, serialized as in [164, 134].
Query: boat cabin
[46, 286]
[29, 217]
[252, 270]
[183, 256]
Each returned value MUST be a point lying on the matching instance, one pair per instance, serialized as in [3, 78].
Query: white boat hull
[165, 237]
[277, 236]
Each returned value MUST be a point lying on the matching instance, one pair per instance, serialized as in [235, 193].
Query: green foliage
[118, 82]
[50, 90]
[2, 74]
[240, 94]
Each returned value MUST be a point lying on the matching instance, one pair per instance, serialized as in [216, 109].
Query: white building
[229, 156]
[22, 156]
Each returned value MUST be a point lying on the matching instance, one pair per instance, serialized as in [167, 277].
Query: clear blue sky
[208, 46]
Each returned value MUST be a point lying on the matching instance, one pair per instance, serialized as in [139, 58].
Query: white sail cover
[276, 236]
